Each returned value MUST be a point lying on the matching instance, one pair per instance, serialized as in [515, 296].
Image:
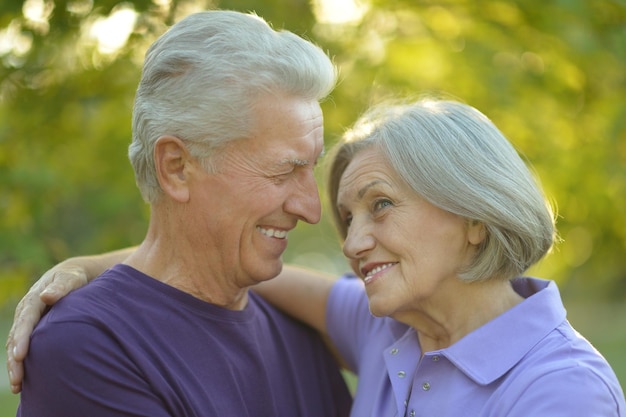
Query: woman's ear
[172, 162]
[476, 232]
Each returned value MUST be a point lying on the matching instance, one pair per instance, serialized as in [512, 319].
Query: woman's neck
[443, 321]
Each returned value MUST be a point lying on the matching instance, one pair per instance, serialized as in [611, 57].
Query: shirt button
[394, 351]
[401, 374]
[425, 386]
[436, 358]
[412, 413]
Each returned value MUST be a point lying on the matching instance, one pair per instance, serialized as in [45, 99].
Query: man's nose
[305, 200]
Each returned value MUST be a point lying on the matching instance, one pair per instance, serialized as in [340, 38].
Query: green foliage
[550, 74]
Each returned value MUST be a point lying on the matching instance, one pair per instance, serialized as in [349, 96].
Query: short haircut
[202, 77]
[453, 156]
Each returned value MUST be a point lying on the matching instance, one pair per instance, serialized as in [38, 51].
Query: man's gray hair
[202, 77]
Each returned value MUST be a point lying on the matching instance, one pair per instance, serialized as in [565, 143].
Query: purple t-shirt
[129, 345]
[528, 361]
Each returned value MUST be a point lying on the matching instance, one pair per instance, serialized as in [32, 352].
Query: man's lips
[271, 232]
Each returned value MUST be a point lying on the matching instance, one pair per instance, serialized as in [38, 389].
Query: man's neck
[165, 260]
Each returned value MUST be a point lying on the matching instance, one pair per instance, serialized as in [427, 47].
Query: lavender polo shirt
[528, 361]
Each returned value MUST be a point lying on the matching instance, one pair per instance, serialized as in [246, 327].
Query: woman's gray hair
[456, 158]
[201, 78]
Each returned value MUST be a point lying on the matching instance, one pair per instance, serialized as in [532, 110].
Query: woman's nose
[359, 240]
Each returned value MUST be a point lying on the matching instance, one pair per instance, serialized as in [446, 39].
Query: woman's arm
[301, 293]
[57, 282]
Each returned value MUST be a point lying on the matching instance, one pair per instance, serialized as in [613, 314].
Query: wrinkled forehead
[367, 166]
[343, 156]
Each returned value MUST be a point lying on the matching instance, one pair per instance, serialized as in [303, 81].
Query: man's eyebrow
[294, 162]
[301, 162]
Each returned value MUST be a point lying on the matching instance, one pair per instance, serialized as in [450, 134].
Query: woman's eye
[347, 220]
[381, 204]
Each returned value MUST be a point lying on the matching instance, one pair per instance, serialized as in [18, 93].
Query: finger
[27, 313]
[16, 375]
[52, 286]
[48, 290]
[63, 283]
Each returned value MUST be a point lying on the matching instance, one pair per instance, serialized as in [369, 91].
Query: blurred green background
[550, 73]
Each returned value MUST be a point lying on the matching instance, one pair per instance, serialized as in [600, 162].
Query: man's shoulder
[100, 300]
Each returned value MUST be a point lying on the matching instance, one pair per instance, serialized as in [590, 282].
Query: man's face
[262, 187]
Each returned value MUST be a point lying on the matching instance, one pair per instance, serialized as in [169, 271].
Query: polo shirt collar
[490, 351]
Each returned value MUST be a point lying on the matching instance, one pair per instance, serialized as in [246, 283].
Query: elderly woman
[439, 217]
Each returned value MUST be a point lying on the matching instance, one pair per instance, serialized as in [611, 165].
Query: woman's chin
[378, 310]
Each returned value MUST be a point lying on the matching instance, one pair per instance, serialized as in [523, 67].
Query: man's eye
[348, 220]
[279, 178]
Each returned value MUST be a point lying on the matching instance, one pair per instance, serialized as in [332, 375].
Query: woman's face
[407, 251]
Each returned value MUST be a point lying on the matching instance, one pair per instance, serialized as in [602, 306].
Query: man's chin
[270, 270]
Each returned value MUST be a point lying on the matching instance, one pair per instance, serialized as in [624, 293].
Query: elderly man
[226, 130]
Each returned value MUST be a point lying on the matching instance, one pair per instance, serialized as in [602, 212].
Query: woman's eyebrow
[367, 186]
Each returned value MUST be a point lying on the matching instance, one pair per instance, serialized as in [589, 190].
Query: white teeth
[378, 269]
[279, 234]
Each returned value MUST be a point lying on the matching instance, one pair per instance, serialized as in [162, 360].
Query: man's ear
[172, 162]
